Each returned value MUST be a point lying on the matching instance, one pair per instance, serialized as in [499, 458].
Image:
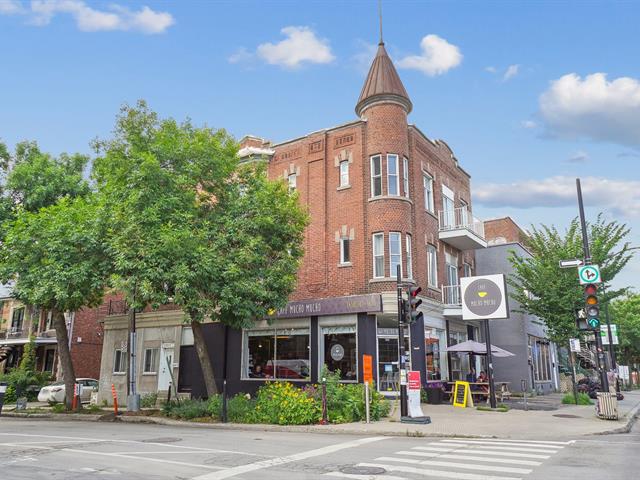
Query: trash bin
[3, 390]
[434, 395]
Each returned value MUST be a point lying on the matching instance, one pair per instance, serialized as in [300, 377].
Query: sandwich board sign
[462, 395]
[484, 297]
[413, 393]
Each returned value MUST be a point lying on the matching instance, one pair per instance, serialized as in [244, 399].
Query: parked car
[56, 392]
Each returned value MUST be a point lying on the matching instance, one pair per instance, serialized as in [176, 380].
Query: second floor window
[292, 181]
[395, 254]
[378, 255]
[432, 266]
[344, 173]
[345, 254]
[17, 319]
[466, 269]
[405, 176]
[427, 183]
[409, 256]
[376, 176]
[393, 180]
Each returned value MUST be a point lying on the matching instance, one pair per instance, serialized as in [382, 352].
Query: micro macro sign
[484, 297]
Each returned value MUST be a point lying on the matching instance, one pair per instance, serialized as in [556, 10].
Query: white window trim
[397, 175]
[374, 177]
[144, 361]
[343, 174]
[432, 273]
[392, 271]
[428, 194]
[123, 353]
[405, 176]
[409, 256]
[373, 250]
[342, 260]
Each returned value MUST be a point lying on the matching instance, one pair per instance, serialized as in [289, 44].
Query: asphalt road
[32, 449]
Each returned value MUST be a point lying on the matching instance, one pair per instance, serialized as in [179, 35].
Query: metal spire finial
[380, 15]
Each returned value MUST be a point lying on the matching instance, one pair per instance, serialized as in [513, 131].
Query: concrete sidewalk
[447, 421]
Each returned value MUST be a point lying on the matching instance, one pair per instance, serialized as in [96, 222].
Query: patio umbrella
[477, 348]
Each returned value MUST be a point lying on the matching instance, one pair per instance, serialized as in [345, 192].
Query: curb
[632, 416]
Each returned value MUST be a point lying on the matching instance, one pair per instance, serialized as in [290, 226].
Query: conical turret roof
[383, 83]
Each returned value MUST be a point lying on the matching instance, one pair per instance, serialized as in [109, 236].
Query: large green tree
[56, 260]
[553, 294]
[625, 313]
[191, 226]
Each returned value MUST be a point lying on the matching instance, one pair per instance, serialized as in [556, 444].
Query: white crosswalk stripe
[463, 459]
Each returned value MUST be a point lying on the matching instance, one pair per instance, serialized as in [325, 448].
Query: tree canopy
[625, 313]
[554, 294]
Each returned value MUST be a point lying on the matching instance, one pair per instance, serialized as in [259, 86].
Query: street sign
[570, 263]
[589, 274]
[367, 368]
[574, 343]
[604, 334]
[484, 297]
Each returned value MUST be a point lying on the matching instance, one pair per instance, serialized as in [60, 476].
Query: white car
[56, 393]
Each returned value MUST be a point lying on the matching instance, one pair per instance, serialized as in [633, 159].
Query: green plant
[59, 408]
[424, 398]
[214, 406]
[186, 409]
[148, 400]
[283, 404]
[93, 408]
[583, 399]
[240, 409]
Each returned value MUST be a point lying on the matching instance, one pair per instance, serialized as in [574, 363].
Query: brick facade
[504, 230]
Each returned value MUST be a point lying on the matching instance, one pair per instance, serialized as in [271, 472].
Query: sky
[529, 95]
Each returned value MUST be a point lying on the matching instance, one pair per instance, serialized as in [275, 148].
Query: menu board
[462, 395]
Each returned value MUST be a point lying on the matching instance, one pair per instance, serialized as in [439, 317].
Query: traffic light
[414, 303]
[591, 306]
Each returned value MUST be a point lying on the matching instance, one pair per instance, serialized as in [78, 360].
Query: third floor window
[344, 173]
[393, 179]
[376, 175]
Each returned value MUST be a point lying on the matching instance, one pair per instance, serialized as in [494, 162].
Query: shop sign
[367, 368]
[337, 352]
[413, 394]
[484, 297]
[332, 306]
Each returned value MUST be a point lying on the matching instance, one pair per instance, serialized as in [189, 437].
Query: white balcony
[452, 301]
[460, 229]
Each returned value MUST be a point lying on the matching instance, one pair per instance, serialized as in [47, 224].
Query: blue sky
[528, 94]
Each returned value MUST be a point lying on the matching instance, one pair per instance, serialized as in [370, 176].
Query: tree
[554, 294]
[625, 313]
[192, 227]
[57, 261]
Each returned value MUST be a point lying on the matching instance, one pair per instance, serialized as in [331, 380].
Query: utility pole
[133, 399]
[401, 350]
[492, 387]
[587, 261]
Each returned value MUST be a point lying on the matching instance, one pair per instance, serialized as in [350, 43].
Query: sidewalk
[447, 421]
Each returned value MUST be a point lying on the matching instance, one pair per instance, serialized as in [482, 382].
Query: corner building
[380, 193]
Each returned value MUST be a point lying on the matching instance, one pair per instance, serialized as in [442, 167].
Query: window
[48, 324]
[376, 176]
[448, 207]
[345, 254]
[49, 356]
[120, 361]
[344, 173]
[378, 255]
[281, 354]
[292, 182]
[395, 254]
[432, 266]
[17, 320]
[409, 256]
[436, 356]
[340, 351]
[150, 360]
[466, 269]
[405, 176]
[540, 359]
[464, 213]
[427, 183]
[393, 185]
[459, 361]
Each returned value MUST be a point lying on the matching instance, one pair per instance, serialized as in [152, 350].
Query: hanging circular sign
[337, 352]
[482, 297]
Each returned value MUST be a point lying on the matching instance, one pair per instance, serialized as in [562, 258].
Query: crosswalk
[462, 459]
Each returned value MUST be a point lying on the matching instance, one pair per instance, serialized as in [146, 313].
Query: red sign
[367, 368]
[413, 380]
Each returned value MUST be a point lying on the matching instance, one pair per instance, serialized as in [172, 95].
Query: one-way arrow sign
[570, 263]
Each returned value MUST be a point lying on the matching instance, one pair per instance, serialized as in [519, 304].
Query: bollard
[366, 400]
[324, 402]
[115, 399]
[3, 390]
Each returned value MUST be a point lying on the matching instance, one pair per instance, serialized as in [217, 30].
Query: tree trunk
[203, 356]
[68, 374]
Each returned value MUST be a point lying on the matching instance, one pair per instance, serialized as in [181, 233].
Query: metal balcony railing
[460, 218]
[451, 295]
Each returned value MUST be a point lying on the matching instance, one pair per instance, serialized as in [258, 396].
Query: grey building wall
[512, 333]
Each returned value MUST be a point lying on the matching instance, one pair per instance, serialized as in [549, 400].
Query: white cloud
[240, 55]
[89, 19]
[438, 56]
[512, 71]
[490, 69]
[579, 157]
[593, 108]
[301, 46]
[528, 124]
[621, 197]
[11, 7]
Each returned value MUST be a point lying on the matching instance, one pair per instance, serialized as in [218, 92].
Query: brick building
[380, 194]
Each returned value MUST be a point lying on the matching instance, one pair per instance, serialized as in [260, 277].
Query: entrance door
[166, 364]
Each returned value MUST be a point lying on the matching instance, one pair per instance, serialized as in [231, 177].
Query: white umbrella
[477, 348]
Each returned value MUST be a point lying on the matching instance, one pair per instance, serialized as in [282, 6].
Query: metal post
[401, 352]
[612, 349]
[573, 376]
[224, 374]
[604, 383]
[366, 400]
[492, 388]
[523, 386]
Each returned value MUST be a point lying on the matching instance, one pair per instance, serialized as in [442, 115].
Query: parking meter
[3, 390]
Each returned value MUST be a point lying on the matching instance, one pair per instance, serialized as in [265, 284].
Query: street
[33, 449]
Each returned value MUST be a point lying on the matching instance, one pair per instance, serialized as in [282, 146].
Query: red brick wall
[504, 230]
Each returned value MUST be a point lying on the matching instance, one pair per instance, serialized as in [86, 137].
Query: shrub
[186, 409]
[214, 406]
[283, 404]
[148, 400]
[583, 399]
[59, 408]
[94, 409]
[240, 409]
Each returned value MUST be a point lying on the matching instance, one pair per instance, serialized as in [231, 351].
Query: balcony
[460, 229]
[15, 332]
[452, 301]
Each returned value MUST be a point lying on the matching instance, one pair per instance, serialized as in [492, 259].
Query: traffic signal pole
[587, 261]
[401, 350]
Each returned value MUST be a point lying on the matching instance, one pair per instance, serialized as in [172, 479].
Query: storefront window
[388, 371]
[340, 351]
[435, 354]
[281, 354]
[459, 364]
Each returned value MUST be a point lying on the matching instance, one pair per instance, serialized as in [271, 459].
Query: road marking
[528, 441]
[364, 477]
[233, 471]
[502, 444]
[508, 449]
[491, 452]
[464, 466]
[463, 456]
[437, 473]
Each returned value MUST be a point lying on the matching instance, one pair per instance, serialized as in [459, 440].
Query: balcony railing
[15, 332]
[451, 296]
[460, 218]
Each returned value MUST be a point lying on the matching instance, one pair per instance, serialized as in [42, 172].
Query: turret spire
[381, 42]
